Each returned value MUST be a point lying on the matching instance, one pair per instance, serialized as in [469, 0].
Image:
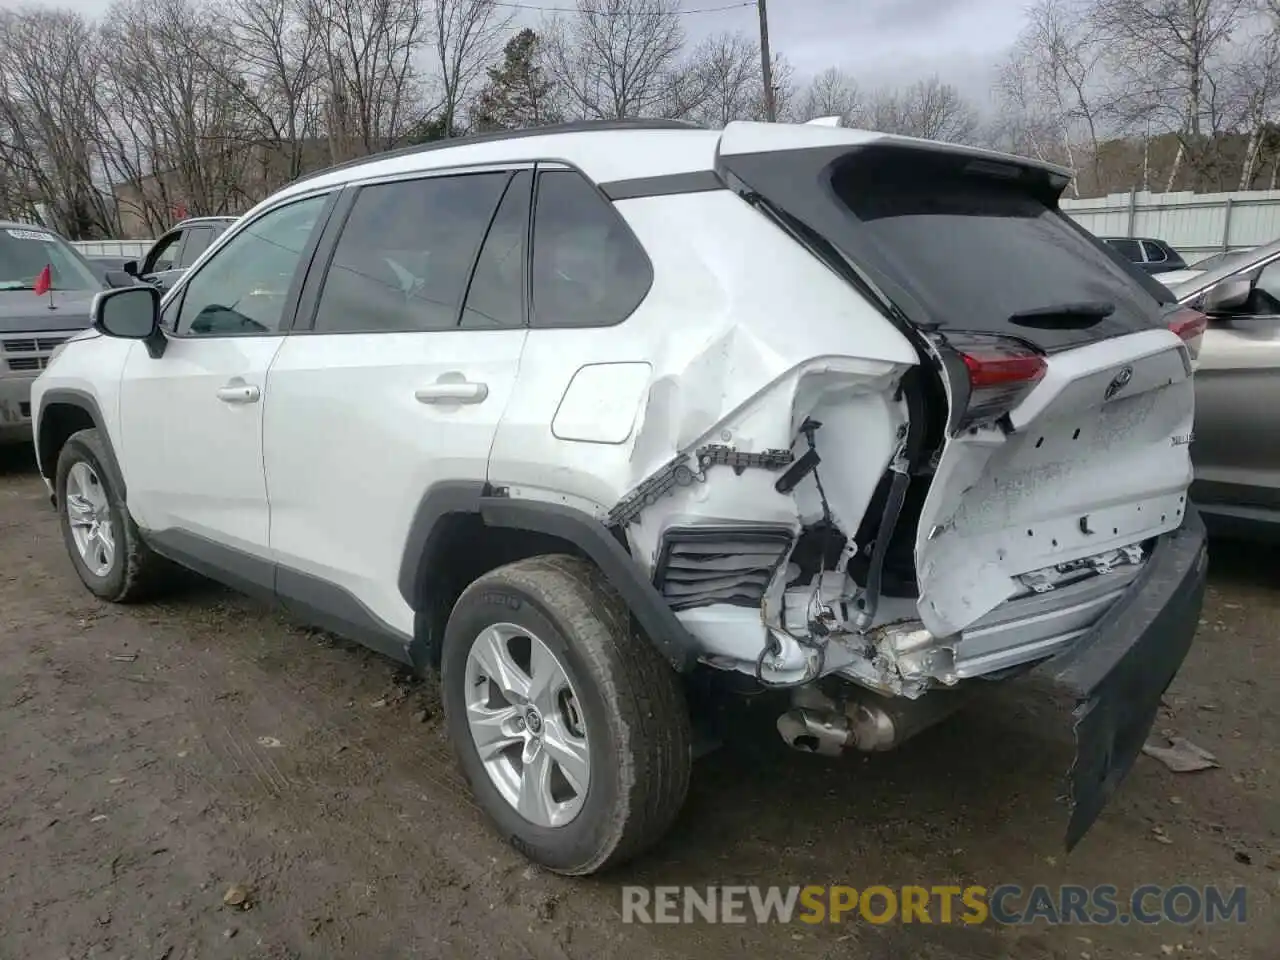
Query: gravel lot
[154, 756]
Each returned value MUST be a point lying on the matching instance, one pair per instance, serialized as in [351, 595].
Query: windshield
[25, 251]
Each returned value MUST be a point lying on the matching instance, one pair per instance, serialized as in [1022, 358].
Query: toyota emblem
[1118, 382]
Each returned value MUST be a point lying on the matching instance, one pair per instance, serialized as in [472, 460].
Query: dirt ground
[151, 757]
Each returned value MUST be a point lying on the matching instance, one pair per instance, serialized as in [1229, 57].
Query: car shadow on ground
[17, 459]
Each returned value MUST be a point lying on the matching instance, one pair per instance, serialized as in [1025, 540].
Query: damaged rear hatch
[1067, 376]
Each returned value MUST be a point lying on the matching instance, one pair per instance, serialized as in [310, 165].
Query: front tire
[570, 728]
[102, 540]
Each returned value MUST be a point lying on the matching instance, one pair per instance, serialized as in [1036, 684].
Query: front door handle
[239, 393]
[452, 391]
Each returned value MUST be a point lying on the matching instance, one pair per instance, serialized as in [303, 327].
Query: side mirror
[1229, 294]
[131, 313]
[118, 278]
[130, 267]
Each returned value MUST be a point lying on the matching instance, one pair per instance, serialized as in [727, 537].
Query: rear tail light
[1001, 372]
[1190, 326]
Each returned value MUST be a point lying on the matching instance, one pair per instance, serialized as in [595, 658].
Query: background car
[1154, 256]
[33, 326]
[176, 250]
[1236, 449]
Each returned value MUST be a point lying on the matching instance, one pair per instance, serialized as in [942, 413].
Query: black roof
[577, 126]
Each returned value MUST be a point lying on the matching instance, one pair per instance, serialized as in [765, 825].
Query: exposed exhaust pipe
[866, 722]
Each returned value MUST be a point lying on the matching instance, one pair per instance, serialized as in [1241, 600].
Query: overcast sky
[877, 41]
[883, 41]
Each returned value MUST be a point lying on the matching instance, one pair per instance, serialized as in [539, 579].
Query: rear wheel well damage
[463, 531]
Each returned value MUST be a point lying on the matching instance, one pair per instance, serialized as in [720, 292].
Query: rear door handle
[239, 393]
[464, 391]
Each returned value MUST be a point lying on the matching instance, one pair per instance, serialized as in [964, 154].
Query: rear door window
[198, 240]
[1129, 249]
[406, 252]
[980, 247]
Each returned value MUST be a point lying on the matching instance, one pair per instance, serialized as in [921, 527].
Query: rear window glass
[1129, 249]
[980, 251]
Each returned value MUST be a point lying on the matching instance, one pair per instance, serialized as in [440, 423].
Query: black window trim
[526, 265]
[289, 317]
[180, 243]
[1164, 253]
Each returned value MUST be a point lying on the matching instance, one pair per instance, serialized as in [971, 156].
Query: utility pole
[766, 64]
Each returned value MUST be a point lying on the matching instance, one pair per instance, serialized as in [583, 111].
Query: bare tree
[1025, 125]
[1053, 71]
[1166, 60]
[172, 118]
[275, 57]
[832, 93]
[49, 156]
[468, 37]
[724, 72]
[615, 58]
[369, 49]
[928, 108]
[1255, 80]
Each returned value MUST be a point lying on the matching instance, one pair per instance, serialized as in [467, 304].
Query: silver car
[1236, 450]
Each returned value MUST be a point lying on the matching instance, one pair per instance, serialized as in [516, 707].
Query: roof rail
[576, 126]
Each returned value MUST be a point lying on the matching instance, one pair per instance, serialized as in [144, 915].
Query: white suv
[568, 413]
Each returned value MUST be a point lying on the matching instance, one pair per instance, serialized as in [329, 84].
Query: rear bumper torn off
[1111, 681]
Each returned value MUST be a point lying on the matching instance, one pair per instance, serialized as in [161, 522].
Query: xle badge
[1118, 382]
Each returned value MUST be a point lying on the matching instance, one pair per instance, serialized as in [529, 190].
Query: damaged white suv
[568, 413]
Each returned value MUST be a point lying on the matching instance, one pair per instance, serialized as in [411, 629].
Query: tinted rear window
[978, 243]
[1129, 249]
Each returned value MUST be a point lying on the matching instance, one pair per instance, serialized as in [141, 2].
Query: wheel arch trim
[428, 544]
[85, 401]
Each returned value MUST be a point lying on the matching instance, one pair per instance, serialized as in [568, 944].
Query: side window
[1266, 290]
[1128, 249]
[244, 287]
[164, 253]
[495, 298]
[1154, 252]
[198, 240]
[405, 253]
[588, 268]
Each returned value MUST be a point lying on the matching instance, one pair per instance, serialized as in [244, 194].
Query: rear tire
[634, 753]
[102, 540]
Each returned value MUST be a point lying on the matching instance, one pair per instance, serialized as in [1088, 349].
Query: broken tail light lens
[1190, 325]
[1001, 372]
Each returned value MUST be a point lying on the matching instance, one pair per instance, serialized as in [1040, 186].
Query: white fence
[1194, 224]
[112, 248]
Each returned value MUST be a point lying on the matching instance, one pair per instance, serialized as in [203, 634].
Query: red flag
[44, 280]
